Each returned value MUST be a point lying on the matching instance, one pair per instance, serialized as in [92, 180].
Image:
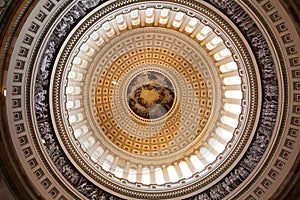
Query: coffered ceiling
[136, 99]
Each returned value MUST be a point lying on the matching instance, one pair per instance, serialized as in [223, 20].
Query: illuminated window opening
[213, 43]
[132, 175]
[228, 67]
[95, 37]
[146, 176]
[224, 133]
[72, 119]
[135, 20]
[216, 145]
[119, 172]
[150, 15]
[94, 156]
[234, 94]
[222, 54]
[159, 176]
[87, 50]
[191, 25]
[80, 62]
[233, 80]
[229, 121]
[73, 104]
[203, 33]
[89, 142]
[108, 29]
[196, 163]
[186, 171]
[172, 174]
[233, 108]
[77, 76]
[108, 162]
[121, 22]
[164, 15]
[80, 131]
[207, 155]
[97, 153]
[178, 19]
[205, 30]
[73, 90]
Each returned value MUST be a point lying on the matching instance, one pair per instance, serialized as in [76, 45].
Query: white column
[178, 170]
[126, 170]
[114, 165]
[190, 165]
[152, 175]
[103, 156]
[166, 174]
[139, 174]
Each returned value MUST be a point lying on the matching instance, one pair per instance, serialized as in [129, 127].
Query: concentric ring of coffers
[224, 59]
[165, 127]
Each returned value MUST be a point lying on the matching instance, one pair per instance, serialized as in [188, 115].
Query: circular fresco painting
[150, 95]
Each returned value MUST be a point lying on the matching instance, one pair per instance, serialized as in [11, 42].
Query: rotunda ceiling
[154, 99]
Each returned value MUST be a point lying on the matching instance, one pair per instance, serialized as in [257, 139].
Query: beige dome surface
[151, 99]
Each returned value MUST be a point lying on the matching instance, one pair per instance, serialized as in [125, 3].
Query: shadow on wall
[293, 6]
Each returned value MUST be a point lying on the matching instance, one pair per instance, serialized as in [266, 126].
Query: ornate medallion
[150, 95]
